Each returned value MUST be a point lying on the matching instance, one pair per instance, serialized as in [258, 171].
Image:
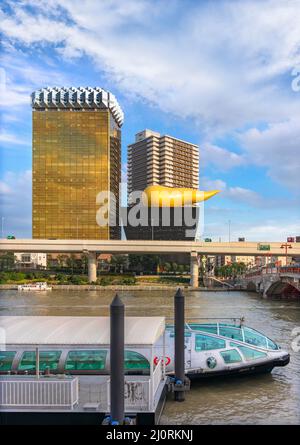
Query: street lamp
[152, 229]
[286, 246]
[229, 224]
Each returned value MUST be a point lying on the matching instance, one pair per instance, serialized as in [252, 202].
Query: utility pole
[229, 224]
[2, 227]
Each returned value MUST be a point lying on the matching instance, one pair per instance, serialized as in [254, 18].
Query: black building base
[180, 225]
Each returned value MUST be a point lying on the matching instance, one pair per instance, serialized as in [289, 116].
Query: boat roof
[61, 330]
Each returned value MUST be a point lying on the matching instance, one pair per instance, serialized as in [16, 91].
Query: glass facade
[76, 155]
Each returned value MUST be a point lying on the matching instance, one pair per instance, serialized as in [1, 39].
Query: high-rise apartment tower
[162, 160]
[76, 154]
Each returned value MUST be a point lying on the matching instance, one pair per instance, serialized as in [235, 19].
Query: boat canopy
[240, 333]
[52, 330]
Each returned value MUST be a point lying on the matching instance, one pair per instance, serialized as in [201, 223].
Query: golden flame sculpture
[160, 196]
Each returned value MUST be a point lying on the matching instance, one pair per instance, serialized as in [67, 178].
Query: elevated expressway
[194, 248]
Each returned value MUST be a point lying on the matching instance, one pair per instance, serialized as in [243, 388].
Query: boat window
[206, 343]
[134, 360]
[249, 353]
[48, 360]
[86, 360]
[271, 344]
[231, 356]
[210, 328]
[186, 334]
[255, 338]
[231, 332]
[6, 360]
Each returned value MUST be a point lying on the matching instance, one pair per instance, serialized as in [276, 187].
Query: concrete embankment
[89, 287]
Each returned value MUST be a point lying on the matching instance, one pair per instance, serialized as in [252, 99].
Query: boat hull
[259, 368]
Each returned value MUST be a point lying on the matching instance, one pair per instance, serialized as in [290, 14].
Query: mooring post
[179, 346]
[117, 361]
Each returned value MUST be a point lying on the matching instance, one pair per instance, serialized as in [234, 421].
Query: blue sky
[215, 73]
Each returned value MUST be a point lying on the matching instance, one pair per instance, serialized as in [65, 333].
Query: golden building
[76, 155]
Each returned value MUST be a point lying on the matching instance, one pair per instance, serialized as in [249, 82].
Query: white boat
[80, 346]
[34, 287]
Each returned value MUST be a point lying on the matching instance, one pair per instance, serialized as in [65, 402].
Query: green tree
[7, 261]
[119, 263]
[174, 267]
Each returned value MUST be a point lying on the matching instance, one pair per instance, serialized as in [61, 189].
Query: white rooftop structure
[74, 98]
[52, 330]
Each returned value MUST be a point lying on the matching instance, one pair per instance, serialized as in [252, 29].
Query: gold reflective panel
[76, 155]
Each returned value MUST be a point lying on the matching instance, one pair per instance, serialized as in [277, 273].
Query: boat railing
[30, 392]
[157, 377]
[218, 320]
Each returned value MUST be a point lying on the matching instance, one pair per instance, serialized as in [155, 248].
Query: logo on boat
[211, 362]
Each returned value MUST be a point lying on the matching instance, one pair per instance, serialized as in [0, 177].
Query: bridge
[193, 248]
[275, 281]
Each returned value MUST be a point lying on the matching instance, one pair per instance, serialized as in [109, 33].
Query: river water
[262, 399]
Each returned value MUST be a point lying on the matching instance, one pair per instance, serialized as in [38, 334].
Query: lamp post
[229, 224]
[286, 246]
[152, 229]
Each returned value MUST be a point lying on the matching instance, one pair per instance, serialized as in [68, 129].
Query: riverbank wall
[96, 287]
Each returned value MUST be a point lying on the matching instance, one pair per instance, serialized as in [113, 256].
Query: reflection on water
[273, 398]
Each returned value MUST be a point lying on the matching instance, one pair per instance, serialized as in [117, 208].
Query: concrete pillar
[92, 267]
[194, 270]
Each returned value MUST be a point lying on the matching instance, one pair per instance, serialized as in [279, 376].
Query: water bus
[56, 369]
[42, 286]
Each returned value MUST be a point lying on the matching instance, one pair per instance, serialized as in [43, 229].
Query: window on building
[25, 258]
[6, 360]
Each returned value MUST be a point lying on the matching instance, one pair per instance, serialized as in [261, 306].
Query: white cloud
[15, 203]
[10, 138]
[259, 230]
[236, 194]
[220, 158]
[277, 147]
[217, 63]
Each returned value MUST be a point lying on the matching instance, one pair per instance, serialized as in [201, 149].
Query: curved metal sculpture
[160, 196]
